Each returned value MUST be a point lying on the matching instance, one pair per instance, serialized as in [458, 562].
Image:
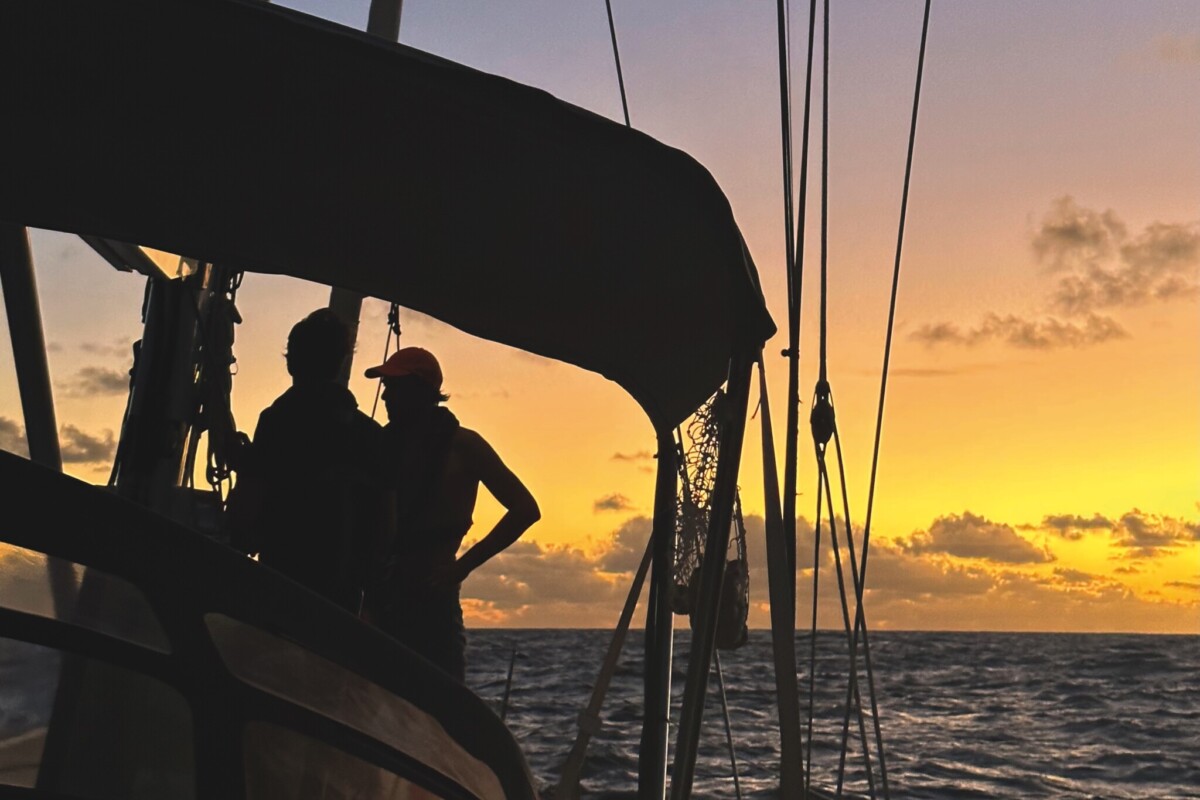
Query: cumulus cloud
[1073, 576]
[612, 502]
[1073, 526]
[1160, 264]
[1071, 236]
[915, 582]
[1098, 266]
[528, 573]
[1144, 535]
[93, 381]
[972, 536]
[12, 437]
[1028, 334]
[79, 447]
[628, 544]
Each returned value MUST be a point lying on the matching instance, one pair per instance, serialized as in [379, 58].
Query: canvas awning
[264, 139]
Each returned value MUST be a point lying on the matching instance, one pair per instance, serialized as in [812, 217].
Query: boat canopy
[267, 140]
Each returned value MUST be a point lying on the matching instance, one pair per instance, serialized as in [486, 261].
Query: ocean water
[964, 715]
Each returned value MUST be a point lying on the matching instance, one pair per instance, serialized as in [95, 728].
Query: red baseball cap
[410, 361]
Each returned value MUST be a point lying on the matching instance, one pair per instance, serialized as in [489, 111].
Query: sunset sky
[1041, 452]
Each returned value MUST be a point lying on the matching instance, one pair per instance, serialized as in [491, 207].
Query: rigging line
[860, 619]
[796, 287]
[840, 572]
[853, 689]
[785, 122]
[393, 319]
[887, 347]
[824, 189]
[612, 29]
[860, 626]
[737, 786]
[812, 638]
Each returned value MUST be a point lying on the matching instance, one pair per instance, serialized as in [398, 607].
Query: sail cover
[256, 137]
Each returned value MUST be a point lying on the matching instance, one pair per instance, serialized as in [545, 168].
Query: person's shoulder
[365, 422]
[465, 437]
[472, 445]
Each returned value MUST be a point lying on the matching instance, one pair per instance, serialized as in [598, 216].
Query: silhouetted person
[438, 466]
[309, 499]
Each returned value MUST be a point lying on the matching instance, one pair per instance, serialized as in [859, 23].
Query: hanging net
[697, 476]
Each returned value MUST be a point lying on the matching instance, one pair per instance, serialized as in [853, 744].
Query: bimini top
[263, 139]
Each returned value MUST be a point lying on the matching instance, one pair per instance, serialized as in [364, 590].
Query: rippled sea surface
[963, 715]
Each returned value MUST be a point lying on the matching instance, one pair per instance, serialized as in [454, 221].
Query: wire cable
[612, 29]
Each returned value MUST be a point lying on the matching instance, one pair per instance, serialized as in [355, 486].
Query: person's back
[311, 503]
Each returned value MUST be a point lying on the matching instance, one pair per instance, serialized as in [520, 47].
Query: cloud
[120, 348]
[1072, 526]
[640, 455]
[1023, 333]
[94, 381]
[624, 553]
[1192, 586]
[1161, 264]
[1144, 535]
[529, 574]
[1178, 48]
[81, 448]
[1071, 236]
[12, 438]
[972, 536]
[612, 502]
[1098, 266]
[1074, 576]
[916, 582]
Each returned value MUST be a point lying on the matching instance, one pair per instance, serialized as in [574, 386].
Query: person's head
[317, 347]
[412, 380]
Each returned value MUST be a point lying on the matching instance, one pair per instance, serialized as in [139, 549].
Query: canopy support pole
[383, 20]
[781, 579]
[29, 346]
[652, 760]
[712, 572]
[33, 380]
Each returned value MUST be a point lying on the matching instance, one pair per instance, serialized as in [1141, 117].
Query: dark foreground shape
[169, 666]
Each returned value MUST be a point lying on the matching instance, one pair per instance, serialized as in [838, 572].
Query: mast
[383, 20]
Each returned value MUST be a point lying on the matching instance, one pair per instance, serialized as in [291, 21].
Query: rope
[853, 697]
[795, 306]
[393, 319]
[737, 787]
[612, 29]
[860, 620]
[812, 639]
[841, 579]
[852, 689]
[824, 189]
[512, 663]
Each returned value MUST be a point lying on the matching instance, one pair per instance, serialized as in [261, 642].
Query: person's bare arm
[521, 509]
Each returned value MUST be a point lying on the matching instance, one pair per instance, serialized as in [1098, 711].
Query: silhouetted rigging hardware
[393, 329]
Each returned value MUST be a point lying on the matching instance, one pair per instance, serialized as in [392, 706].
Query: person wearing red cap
[437, 466]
